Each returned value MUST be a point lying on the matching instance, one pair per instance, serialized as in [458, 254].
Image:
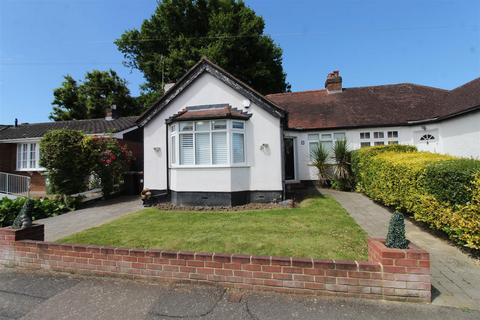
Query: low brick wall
[398, 275]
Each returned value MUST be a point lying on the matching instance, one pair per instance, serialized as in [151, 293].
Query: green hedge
[441, 190]
[451, 181]
[43, 208]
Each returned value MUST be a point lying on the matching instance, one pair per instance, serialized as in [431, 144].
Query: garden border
[391, 274]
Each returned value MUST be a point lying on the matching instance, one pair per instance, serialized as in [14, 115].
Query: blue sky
[431, 42]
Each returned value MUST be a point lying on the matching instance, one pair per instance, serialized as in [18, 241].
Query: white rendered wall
[263, 170]
[458, 136]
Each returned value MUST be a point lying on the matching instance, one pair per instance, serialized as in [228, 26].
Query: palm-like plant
[342, 171]
[320, 158]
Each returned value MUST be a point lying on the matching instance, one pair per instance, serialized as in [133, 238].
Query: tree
[180, 32]
[90, 98]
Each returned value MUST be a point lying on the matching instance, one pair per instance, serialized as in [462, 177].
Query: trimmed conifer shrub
[396, 232]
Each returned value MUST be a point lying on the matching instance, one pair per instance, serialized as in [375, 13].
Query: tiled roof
[89, 126]
[386, 105]
[222, 111]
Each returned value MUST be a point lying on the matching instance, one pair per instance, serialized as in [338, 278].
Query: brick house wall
[8, 163]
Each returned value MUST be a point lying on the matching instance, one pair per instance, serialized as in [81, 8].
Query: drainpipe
[167, 160]
[282, 148]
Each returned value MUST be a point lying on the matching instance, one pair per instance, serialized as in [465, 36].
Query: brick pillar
[408, 270]
[8, 236]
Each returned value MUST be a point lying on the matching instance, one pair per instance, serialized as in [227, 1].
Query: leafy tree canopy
[180, 32]
[89, 99]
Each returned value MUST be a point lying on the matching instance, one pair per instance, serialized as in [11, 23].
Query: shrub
[451, 181]
[418, 183]
[42, 208]
[342, 177]
[63, 157]
[109, 161]
[320, 161]
[396, 232]
[361, 159]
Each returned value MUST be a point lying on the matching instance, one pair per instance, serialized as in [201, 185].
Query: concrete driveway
[455, 276]
[93, 215]
[37, 296]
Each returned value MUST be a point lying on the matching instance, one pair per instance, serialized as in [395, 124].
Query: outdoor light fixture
[156, 149]
[264, 146]
[246, 103]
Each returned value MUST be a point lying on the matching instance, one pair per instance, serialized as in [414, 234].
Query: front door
[289, 150]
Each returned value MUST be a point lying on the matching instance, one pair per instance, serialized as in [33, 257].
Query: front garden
[318, 228]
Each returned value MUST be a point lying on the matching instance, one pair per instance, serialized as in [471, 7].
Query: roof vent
[333, 84]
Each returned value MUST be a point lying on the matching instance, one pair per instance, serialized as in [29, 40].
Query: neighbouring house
[213, 140]
[20, 150]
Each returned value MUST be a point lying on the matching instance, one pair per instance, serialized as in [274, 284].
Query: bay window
[28, 156]
[208, 143]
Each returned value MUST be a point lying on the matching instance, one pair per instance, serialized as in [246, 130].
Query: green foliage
[396, 232]
[109, 160]
[412, 182]
[62, 155]
[228, 32]
[72, 159]
[451, 181]
[90, 98]
[343, 177]
[361, 160]
[320, 161]
[42, 208]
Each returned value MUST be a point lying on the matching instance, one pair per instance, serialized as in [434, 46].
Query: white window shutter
[238, 148]
[219, 146]
[186, 148]
[202, 148]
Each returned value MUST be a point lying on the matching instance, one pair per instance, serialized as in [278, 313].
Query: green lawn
[318, 228]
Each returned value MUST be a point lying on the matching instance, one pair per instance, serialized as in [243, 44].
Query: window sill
[31, 170]
[210, 166]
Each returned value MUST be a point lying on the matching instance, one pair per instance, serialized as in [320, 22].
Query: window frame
[322, 137]
[24, 157]
[229, 130]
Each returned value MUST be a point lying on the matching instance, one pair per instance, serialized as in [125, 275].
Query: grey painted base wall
[223, 198]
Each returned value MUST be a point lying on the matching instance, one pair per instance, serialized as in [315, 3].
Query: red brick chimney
[333, 83]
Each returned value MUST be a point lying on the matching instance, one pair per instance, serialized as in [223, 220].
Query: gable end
[202, 66]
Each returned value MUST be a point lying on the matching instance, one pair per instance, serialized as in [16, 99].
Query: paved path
[38, 296]
[94, 215]
[455, 276]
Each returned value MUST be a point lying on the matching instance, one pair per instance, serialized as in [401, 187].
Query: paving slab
[95, 214]
[455, 275]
